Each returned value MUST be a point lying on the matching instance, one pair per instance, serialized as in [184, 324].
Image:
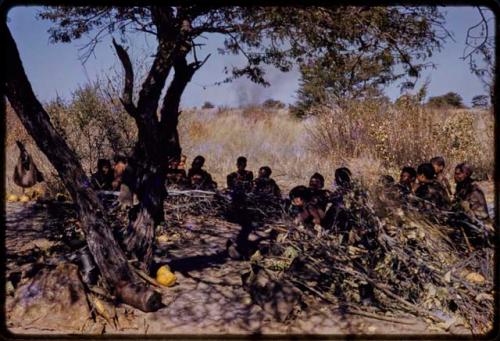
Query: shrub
[207, 105]
[273, 104]
[480, 101]
[451, 99]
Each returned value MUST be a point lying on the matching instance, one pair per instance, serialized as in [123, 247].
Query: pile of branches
[405, 263]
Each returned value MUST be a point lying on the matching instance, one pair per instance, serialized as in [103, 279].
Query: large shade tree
[344, 37]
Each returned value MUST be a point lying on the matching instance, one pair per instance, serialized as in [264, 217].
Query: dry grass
[369, 138]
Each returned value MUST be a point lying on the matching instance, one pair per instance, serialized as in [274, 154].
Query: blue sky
[54, 69]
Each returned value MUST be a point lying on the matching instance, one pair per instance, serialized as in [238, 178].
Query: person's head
[386, 180]
[241, 163]
[408, 175]
[198, 162]
[120, 159]
[438, 164]
[463, 172]
[300, 195]
[103, 166]
[343, 176]
[425, 172]
[182, 162]
[173, 163]
[265, 172]
[317, 181]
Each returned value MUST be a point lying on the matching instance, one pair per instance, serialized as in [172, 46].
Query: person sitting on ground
[337, 215]
[199, 178]
[174, 175]
[102, 180]
[430, 189]
[308, 214]
[264, 185]
[438, 164]
[407, 180]
[241, 180]
[343, 185]
[468, 195]
[182, 162]
[118, 169]
[320, 196]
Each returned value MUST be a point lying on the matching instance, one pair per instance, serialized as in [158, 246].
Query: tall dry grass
[370, 138]
[404, 134]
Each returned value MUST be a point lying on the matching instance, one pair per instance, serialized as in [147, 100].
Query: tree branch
[128, 89]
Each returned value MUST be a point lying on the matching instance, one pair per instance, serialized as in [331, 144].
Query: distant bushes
[207, 105]
[450, 100]
[370, 136]
[404, 134]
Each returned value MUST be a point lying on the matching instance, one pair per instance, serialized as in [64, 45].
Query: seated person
[438, 164]
[118, 169]
[468, 195]
[182, 162]
[241, 180]
[320, 196]
[407, 180]
[430, 189]
[264, 185]
[307, 213]
[199, 178]
[102, 180]
[175, 176]
[343, 185]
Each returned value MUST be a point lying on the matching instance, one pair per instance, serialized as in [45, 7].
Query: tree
[273, 104]
[278, 36]
[110, 258]
[380, 45]
[480, 101]
[208, 105]
[451, 99]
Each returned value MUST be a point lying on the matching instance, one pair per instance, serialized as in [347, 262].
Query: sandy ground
[208, 298]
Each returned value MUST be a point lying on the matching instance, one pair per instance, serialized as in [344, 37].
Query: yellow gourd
[12, 198]
[163, 270]
[165, 277]
[24, 198]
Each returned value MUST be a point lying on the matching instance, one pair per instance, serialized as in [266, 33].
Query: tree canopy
[450, 99]
[346, 52]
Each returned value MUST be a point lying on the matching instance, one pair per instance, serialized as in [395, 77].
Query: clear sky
[55, 69]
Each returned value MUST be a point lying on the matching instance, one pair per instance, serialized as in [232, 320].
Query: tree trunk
[107, 254]
[149, 186]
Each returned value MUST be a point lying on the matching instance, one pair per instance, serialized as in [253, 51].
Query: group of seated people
[311, 204]
[240, 181]
[424, 187]
[109, 178]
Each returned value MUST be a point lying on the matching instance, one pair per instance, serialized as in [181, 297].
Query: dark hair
[409, 170]
[120, 158]
[438, 160]
[426, 170]
[101, 163]
[386, 179]
[343, 176]
[465, 168]
[319, 177]
[300, 192]
[241, 160]
[266, 169]
[200, 159]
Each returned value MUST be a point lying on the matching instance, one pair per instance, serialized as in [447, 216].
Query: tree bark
[170, 108]
[107, 254]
